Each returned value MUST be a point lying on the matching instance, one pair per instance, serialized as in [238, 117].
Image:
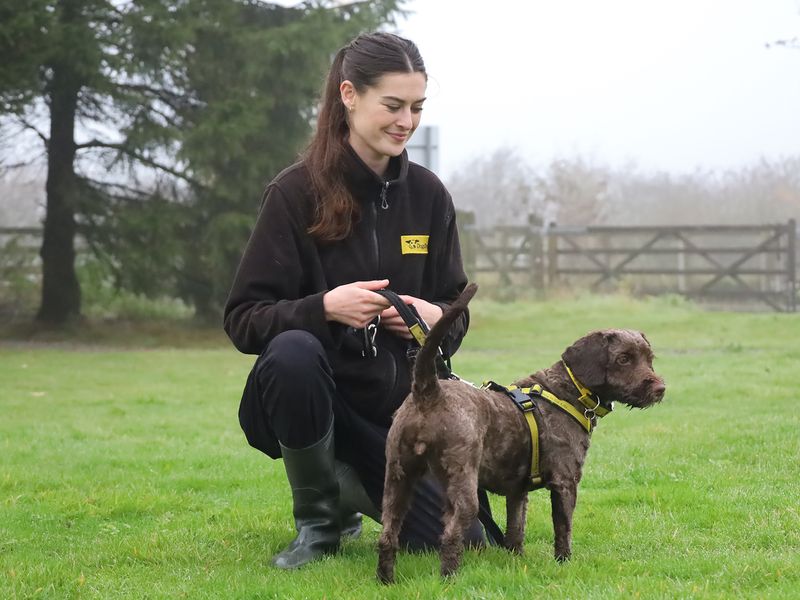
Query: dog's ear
[588, 358]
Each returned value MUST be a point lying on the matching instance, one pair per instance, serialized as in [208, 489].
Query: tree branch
[28, 125]
[17, 165]
[122, 149]
[167, 118]
[107, 187]
[95, 143]
[172, 99]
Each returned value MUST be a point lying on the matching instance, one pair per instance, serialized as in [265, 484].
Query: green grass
[123, 472]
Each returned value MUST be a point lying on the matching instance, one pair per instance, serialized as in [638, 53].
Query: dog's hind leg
[460, 512]
[516, 508]
[401, 475]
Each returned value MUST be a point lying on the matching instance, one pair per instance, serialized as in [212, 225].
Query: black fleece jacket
[406, 233]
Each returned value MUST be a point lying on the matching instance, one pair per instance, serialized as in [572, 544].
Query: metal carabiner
[590, 413]
[370, 331]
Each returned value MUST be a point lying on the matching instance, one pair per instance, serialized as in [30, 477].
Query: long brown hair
[363, 62]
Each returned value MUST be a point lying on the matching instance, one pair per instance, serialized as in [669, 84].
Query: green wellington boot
[353, 501]
[315, 497]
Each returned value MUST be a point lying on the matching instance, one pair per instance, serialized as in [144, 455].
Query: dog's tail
[425, 380]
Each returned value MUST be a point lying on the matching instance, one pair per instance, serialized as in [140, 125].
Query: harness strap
[580, 417]
[525, 400]
[528, 407]
[419, 329]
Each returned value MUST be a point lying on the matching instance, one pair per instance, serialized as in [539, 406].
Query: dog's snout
[656, 388]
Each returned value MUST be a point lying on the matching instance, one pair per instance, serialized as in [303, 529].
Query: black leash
[416, 326]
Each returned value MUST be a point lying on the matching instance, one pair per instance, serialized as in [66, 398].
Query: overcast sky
[668, 85]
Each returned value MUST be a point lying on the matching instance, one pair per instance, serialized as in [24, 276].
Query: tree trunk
[61, 294]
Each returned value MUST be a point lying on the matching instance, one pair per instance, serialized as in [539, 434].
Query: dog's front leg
[562, 500]
[516, 508]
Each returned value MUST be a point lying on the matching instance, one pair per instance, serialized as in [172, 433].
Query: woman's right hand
[355, 304]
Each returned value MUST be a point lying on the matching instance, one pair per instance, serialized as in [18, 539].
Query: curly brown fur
[470, 437]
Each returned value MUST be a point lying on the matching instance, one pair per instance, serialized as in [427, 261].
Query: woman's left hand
[392, 321]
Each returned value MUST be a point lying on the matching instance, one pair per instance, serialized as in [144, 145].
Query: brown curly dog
[470, 437]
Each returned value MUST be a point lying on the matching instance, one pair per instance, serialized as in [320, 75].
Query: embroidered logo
[414, 244]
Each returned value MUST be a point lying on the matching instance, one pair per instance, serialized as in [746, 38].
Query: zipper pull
[384, 190]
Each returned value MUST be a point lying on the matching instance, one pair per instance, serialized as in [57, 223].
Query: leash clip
[411, 353]
[370, 331]
[590, 413]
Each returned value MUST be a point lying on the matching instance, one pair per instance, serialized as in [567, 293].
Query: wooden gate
[716, 262]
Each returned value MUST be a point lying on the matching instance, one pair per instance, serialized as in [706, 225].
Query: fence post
[536, 245]
[791, 263]
[682, 266]
[552, 256]
[467, 233]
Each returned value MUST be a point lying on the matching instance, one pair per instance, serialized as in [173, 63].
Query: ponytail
[362, 62]
[336, 209]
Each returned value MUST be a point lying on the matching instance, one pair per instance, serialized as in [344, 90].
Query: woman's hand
[392, 321]
[355, 304]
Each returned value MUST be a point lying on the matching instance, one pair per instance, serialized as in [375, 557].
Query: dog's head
[616, 364]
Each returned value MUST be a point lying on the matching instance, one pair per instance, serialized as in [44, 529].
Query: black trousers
[291, 397]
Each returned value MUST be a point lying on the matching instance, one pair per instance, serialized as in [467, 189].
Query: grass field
[123, 473]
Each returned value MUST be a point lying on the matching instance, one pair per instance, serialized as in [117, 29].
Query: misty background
[573, 113]
[622, 112]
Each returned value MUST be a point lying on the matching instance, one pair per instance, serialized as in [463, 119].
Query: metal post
[423, 148]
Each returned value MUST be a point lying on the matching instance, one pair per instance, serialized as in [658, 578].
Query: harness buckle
[523, 401]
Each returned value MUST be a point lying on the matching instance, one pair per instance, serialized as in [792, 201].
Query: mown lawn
[123, 473]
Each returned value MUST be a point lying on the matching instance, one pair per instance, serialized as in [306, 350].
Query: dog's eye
[623, 359]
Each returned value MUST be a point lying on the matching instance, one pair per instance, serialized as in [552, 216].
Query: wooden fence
[731, 264]
[16, 232]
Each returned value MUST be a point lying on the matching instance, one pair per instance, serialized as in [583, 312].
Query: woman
[352, 217]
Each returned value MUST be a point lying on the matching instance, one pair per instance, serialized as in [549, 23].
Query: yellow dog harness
[526, 399]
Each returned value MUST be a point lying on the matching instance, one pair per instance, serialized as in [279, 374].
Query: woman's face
[383, 118]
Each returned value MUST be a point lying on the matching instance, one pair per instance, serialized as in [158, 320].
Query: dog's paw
[385, 576]
[562, 557]
[448, 571]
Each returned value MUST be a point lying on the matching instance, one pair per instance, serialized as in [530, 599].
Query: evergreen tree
[161, 120]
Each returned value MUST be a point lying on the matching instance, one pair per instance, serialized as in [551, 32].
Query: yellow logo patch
[414, 244]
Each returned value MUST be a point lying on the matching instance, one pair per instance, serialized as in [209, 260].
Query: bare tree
[576, 189]
[499, 189]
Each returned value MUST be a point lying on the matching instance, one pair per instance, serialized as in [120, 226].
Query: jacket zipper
[375, 243]
[384, 200]
[384, 191]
